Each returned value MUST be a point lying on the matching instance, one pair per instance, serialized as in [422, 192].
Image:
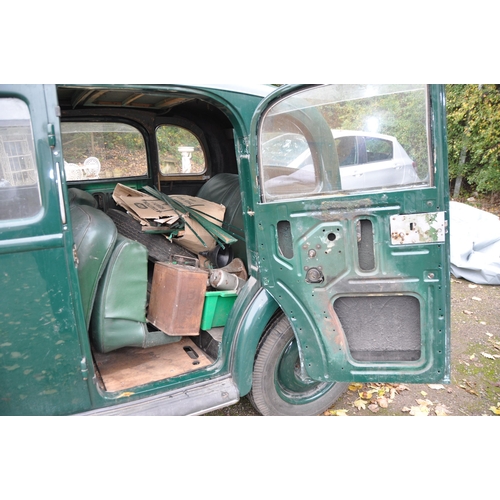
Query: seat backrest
[94, 235]
[225, 189]
[79, 197]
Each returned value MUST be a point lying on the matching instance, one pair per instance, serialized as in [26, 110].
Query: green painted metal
[253, 310]
[41, 356]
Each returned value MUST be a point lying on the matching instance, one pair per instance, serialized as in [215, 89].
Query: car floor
[130, 367]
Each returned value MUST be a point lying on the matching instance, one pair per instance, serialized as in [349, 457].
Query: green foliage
[473, 116]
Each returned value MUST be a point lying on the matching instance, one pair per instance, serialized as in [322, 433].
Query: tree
[473, 115]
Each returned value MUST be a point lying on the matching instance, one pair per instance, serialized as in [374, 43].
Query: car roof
[343, 133]
[261, 90]
[155, 98]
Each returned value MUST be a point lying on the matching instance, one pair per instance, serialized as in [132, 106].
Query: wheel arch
[249, 324]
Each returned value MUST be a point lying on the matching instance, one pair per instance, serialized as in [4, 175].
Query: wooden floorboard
[130, 367]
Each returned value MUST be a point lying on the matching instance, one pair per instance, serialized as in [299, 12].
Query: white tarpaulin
[474, 244]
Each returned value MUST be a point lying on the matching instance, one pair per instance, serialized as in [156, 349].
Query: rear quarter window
[97, 150]
[179, 151]
[19, 186]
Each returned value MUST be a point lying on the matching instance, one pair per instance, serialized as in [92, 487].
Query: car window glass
[180, 152]
[19, 187]
[380, 140]
[347, 151]
[102, 150]
[289, 160]
[378, 149]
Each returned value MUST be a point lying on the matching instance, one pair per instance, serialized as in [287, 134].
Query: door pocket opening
[381, 328]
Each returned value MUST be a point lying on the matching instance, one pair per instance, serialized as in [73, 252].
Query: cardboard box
[147, 208]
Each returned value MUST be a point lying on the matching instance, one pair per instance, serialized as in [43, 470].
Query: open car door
[362, 273]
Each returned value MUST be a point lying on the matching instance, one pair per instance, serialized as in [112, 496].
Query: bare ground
[475, 369]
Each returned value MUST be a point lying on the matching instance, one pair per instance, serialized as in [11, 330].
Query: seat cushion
[119, 315]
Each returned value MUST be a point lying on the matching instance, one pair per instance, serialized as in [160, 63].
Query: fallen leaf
[424, 402]
[472, 357]
[489, 334]
[441, 411]
[337, 413]
[374, 408]
[355, 387]
[472, 286]
[476, 298]
[436, 387]
[365, 394]
[419, 411]
[467, 312]
[402, 387]
[469, 390]
[489, 356]
[382, 402]
[423, 393]
[405, 409]
[360, 404]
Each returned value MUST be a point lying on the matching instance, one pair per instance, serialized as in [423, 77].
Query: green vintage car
[157, 257]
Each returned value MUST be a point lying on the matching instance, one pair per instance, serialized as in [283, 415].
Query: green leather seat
[225, 189]
[119, 315]
[79, 197]
[112, 272]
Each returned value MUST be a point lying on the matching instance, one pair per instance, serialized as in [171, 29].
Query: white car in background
[367, 161]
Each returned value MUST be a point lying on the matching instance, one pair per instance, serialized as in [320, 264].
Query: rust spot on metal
[340, 338]
[333, 330]
[347, 205]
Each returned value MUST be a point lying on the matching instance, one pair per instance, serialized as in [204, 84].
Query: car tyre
[278, 387]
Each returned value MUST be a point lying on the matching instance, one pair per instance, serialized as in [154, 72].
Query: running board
[197, 399]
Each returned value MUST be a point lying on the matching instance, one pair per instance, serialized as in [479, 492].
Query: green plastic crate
[216, 309]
